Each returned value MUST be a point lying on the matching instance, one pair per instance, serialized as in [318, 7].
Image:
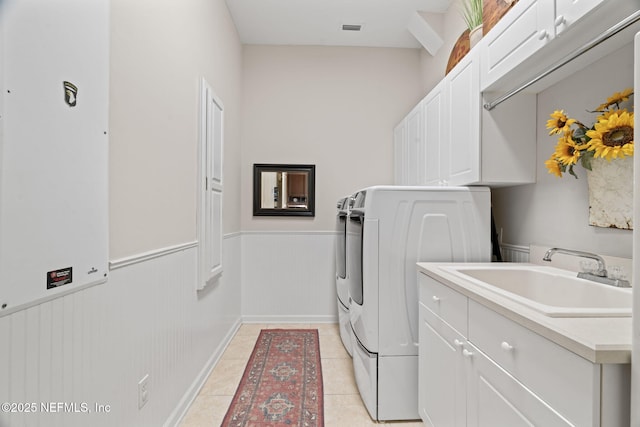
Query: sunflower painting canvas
[605, 151]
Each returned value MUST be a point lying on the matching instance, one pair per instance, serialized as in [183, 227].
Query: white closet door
[211, 187]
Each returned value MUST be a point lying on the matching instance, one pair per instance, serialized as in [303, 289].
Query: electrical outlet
[143, 391]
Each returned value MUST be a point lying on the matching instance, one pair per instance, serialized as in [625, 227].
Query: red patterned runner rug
[282, 383]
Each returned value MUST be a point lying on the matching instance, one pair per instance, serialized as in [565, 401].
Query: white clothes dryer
[342, 286]
[390, 229]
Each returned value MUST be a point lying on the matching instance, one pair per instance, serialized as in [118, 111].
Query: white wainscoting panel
[288, 277]
[93, 346]
[514, 253]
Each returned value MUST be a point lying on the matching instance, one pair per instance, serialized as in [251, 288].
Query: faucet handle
[588, 266]
[617, 272]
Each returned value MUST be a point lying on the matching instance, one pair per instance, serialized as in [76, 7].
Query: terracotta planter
[611, 193]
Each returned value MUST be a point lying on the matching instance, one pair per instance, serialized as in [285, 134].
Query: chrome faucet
[601, 272]
[600, 275]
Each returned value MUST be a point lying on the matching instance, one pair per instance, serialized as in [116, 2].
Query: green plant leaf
[472, 13]
[585, 159]
[571, 172]
[579, 133]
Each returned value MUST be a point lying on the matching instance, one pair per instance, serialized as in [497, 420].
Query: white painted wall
[95, 345]
[159, 53]
[288, 276]
[555, 211]
[433, 67]
[334, 107]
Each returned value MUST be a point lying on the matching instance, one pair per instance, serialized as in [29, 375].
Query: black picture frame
[300, 202]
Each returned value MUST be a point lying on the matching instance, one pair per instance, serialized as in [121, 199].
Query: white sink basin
[551, 291]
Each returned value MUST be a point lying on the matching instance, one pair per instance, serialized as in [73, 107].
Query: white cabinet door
[442, 388]
[525, 29]
[436, 159]
[414, 146]
[569, 11]
[463, 125]
[495, 398]
[547, 369]
[400, 154]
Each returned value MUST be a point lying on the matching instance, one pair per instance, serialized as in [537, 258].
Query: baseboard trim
[187, 400]
[289, 233]
[269, 318]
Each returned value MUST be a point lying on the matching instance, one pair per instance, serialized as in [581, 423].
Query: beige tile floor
[342, 404]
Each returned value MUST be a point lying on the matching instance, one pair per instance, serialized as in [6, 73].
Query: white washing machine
[390, 228]
[342, 286]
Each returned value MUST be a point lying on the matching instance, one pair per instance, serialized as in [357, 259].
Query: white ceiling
[319, 22]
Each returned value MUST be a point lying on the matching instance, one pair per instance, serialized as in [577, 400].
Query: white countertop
[597, 339]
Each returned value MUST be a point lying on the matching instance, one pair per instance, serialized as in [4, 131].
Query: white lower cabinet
[442, 381]
[496, 398]
[479, 369]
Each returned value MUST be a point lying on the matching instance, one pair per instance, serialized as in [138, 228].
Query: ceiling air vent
[351, 27]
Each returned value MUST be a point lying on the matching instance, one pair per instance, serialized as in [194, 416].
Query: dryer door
[341, 227]
[354, 254]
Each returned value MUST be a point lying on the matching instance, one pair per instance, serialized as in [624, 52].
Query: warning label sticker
[59, 277]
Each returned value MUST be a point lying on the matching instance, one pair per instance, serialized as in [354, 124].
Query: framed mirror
[284, 190]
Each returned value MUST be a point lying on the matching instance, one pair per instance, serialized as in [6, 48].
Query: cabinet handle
[560, 20]
[543, 34]
[458, 343]
[506, 346]
[435, 298]
[467, 353]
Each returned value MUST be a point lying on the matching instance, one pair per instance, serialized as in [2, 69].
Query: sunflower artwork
[610, 137]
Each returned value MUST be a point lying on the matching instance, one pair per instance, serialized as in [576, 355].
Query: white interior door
[211, 188]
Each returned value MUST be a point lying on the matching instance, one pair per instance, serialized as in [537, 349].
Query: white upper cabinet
[452, 140]
[475, 146]
[537, 34]
[523, 31]
[436, 153]
[400, 160]
[415, 167]
[463, 124]
[569, 11]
